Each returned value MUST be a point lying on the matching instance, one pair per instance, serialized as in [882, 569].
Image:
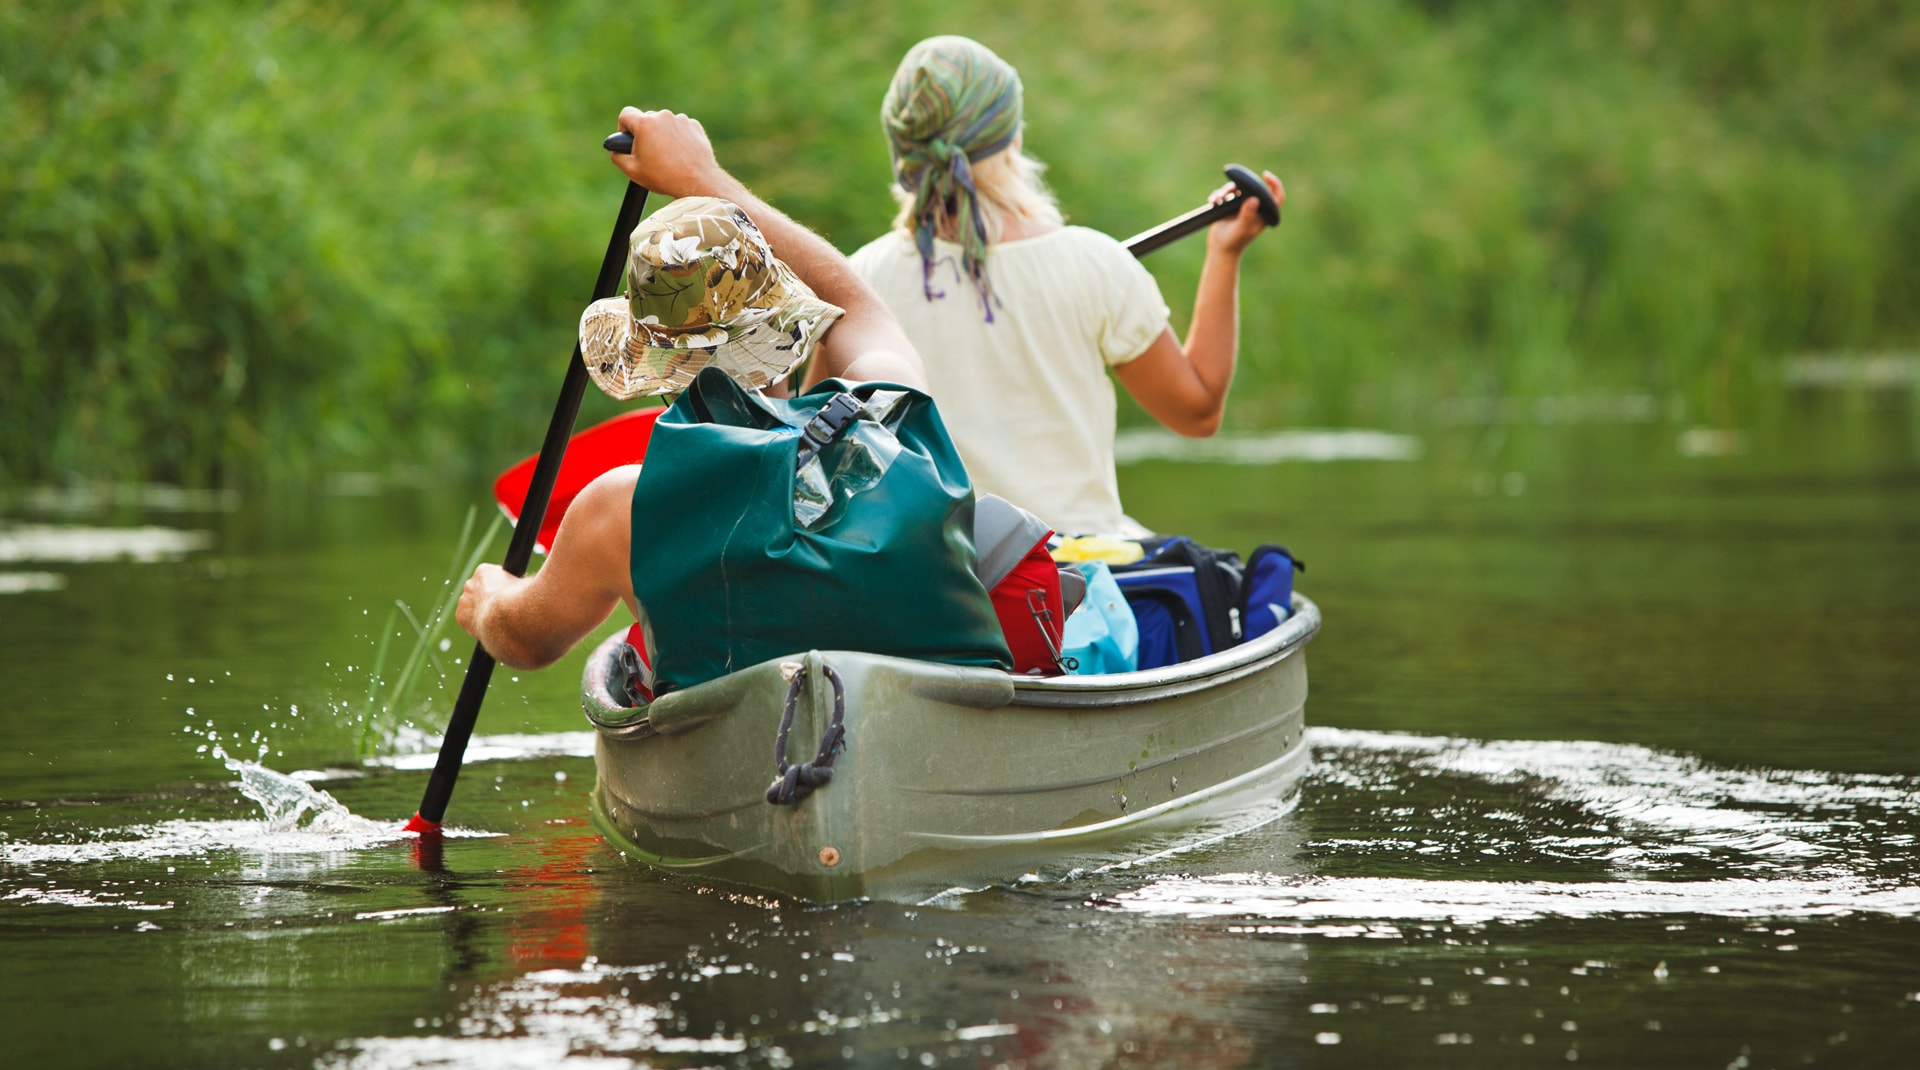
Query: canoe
[948, 776]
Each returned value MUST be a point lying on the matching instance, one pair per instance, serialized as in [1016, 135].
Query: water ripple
[582, 1016]
[1330, 906]
[1634, 808]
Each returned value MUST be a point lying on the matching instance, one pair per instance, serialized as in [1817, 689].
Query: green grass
[390, 699]
[241, 241]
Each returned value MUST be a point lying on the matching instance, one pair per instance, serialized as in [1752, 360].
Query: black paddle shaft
[473, 690]
[1248, 184]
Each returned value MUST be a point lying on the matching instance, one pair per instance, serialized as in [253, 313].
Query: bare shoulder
[599, 523]
[609, 498]
[614, 484]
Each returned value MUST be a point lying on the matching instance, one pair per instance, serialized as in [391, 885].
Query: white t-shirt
[1027, 397]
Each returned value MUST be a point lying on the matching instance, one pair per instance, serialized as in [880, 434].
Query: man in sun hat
[718, 277]
[703, 287]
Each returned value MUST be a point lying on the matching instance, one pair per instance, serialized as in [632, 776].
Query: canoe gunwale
[1171, 681]
[685, 710]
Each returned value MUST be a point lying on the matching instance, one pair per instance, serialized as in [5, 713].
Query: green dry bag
[838, 520]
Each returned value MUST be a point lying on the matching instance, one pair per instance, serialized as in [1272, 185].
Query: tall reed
[390, 702]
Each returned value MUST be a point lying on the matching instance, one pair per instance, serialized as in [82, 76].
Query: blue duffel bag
[1266, 590]
[1190, 600]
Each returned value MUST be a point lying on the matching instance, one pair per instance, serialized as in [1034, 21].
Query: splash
[292, 805]
[296, 819]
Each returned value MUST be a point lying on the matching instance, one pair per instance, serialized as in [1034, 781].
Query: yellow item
[1099, 548]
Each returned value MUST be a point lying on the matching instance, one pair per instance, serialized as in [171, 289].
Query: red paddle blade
[421, 825]
[590, 454]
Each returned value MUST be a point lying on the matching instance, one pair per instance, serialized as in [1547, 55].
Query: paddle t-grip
[1246, 184]
[620, 144]
[1251, 185]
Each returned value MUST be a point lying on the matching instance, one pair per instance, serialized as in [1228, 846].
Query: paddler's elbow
[1203, 423]
[1208, 425]
[515, 658]
[528, 655]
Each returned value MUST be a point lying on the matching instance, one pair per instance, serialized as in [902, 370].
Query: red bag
[1028, 603]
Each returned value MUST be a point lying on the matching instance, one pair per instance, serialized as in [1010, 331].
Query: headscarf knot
[952, 102]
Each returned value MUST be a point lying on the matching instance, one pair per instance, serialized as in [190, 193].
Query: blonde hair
[1008, 184]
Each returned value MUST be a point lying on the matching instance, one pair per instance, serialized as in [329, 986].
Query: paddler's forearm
[496, 610]
[1213, 338]
[489, 612]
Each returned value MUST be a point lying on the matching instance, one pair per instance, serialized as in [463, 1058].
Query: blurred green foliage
[244, 239]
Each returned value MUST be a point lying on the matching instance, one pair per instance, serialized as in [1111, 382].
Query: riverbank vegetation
[239, 240]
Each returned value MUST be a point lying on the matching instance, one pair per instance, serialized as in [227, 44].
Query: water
[1614, 763]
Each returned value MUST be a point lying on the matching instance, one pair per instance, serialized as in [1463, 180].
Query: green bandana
[952, 102]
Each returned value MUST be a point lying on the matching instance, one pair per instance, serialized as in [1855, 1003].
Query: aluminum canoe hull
[949, 776]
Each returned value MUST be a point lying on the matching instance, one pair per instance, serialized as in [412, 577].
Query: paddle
[623, 439]
[1248, 185]
[473, 690]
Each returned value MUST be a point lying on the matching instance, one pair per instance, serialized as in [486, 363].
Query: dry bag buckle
[833, 417]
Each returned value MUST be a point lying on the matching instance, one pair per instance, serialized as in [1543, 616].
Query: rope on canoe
[796, 782]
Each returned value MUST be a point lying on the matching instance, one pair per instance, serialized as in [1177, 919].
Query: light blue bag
[1101, 634]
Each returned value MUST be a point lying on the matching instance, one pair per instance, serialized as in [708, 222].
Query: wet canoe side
[949, 776]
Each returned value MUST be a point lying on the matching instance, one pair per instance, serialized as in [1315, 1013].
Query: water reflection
[1227, 950]
[868, 983]
[1636, 789]
[542, 945]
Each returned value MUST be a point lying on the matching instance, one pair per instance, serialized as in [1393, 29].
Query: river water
[1614, 762]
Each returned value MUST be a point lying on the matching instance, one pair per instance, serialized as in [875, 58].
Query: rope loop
[795, 782]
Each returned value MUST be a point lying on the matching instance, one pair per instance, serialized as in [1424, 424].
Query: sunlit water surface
[1613, 763]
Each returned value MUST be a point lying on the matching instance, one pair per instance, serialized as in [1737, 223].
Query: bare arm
[1185, 387]
[671, 155]
[531, 622]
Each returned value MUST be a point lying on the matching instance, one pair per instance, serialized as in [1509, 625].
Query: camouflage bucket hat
[703, 287]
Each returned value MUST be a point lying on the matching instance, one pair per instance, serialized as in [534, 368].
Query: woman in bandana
[1017, 315]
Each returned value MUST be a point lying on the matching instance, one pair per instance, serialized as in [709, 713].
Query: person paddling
[1017, 315]
[775, 294]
